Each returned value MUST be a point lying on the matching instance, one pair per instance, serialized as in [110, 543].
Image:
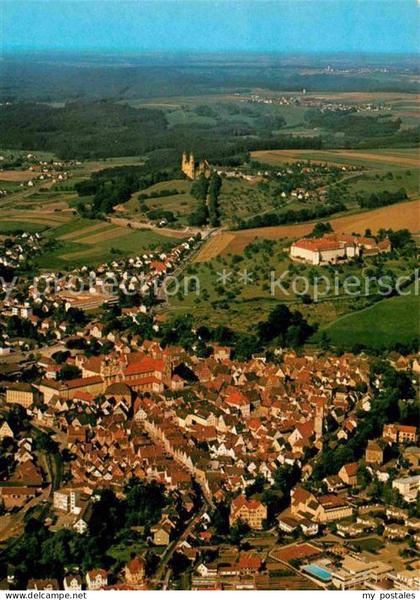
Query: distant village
[321, 104]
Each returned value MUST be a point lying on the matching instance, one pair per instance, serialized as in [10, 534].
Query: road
[13, 525]
[162, 575]
[166, 231]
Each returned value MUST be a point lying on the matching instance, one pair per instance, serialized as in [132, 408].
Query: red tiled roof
[83, 381]
[317, 245]
[237, 398]
[136, 565]
[146, 365]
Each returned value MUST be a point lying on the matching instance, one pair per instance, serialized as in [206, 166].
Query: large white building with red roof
[334, 247]
[318, 251]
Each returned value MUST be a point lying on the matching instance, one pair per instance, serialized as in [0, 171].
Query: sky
[212, 25]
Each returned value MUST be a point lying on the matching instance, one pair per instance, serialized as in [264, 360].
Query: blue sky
[212, 25]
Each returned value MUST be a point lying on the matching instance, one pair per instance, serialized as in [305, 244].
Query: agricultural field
[181, 203]
[367, 159]
[49, 208]
[385, 323]
[234, 242]
[86, 242]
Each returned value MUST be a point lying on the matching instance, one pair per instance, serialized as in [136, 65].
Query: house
[406, 580]
[221, 353]
[318, 251]
[302, 501]
[21, 393]
[309, 528]
[72, 583]
[67, 500]
[252, 512]
[67, 390]
[355, 573]
[393, 531]
[408, 487]
[287, 524]
[16, 496]
[332, 508]
[399, 433]
[322, 509]
[349, 529]
[135, 571]
[348, 473]
[374, 453]
[412, 455]
[5, 431]
[237, 400]
[162, 532]
[96, 579]
[249, 563]
[43, 584]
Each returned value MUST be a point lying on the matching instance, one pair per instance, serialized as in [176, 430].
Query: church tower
[188, 165]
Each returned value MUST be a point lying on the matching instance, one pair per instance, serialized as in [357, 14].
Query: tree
[220, 519]
[256, 487]
[320, 229]
[238, 531]
[285, 477]
[68, 372]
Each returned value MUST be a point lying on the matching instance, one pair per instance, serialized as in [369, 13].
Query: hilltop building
[332, 248]
[193, 169]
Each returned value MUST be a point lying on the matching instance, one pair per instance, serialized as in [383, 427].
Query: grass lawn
[389, 321]
[377, 181]
[240, 304]
[124, 552]
[10, 227]
[181, 204]
[71, 254]
[369, 544]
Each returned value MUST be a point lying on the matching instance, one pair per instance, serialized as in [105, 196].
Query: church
[193, 169]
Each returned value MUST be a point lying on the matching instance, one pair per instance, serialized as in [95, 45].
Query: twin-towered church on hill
[193, 169]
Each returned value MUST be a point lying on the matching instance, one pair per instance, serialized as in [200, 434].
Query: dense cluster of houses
[83, 288]
[162, 414]
[313, 102]
[19, 249]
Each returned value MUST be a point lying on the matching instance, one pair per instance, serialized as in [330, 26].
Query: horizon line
[19, 49]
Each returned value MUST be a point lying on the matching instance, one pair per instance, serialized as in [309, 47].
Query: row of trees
[384, 198]
[206, 191]
[291, 216]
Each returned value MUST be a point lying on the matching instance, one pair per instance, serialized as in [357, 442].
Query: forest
[106, 128]
[57, 77]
